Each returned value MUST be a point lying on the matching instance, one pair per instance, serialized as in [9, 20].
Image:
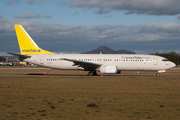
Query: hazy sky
[143, 26]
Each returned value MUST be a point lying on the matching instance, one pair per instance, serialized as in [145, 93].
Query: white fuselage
[122, 61]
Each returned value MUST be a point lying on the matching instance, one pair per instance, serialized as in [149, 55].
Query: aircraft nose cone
[173, 64]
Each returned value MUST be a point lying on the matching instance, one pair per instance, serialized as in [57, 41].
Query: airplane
[104, 63]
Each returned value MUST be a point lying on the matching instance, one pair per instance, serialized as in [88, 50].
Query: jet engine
[109, 69]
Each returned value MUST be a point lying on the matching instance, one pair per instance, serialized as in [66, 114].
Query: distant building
[22, 63]
[7, 59]
[6, 62]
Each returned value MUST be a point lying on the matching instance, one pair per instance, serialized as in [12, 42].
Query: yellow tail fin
[26, 44]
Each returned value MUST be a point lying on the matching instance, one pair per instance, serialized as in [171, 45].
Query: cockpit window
[165, 60]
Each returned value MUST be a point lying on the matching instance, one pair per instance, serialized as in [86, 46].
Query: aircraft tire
[92, 73]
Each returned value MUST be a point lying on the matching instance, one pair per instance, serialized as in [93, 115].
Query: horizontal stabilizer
[21, 57]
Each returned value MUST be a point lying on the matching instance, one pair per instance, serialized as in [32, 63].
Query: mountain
[106, 50]
[124, 52]
[103, 49]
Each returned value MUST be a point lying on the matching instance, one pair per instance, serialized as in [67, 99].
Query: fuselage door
[144, 61]
[41, 60]
[155, 60]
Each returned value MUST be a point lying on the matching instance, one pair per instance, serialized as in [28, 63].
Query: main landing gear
[92, 73]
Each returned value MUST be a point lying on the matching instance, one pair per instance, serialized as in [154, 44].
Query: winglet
[27, 45]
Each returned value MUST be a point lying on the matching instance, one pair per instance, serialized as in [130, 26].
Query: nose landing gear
[157, 74]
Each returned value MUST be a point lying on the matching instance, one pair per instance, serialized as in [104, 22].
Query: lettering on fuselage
[135, 57]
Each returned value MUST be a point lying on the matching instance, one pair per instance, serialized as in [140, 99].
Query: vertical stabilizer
[27, 45]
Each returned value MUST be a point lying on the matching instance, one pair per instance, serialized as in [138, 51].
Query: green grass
[67, 98]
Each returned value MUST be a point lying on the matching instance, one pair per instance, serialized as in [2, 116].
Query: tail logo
[31, 50]
[27, 45]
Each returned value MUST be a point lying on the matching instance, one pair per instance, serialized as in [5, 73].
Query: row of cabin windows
[137, 60]
[53, 59]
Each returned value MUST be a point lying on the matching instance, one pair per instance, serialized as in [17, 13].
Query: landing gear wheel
[92, 73]
[157, 74]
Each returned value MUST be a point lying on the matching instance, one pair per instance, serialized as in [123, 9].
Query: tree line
[2, 59]
[172, 56]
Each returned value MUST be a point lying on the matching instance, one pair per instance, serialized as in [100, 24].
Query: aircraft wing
[88, 66]
[21, 57]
